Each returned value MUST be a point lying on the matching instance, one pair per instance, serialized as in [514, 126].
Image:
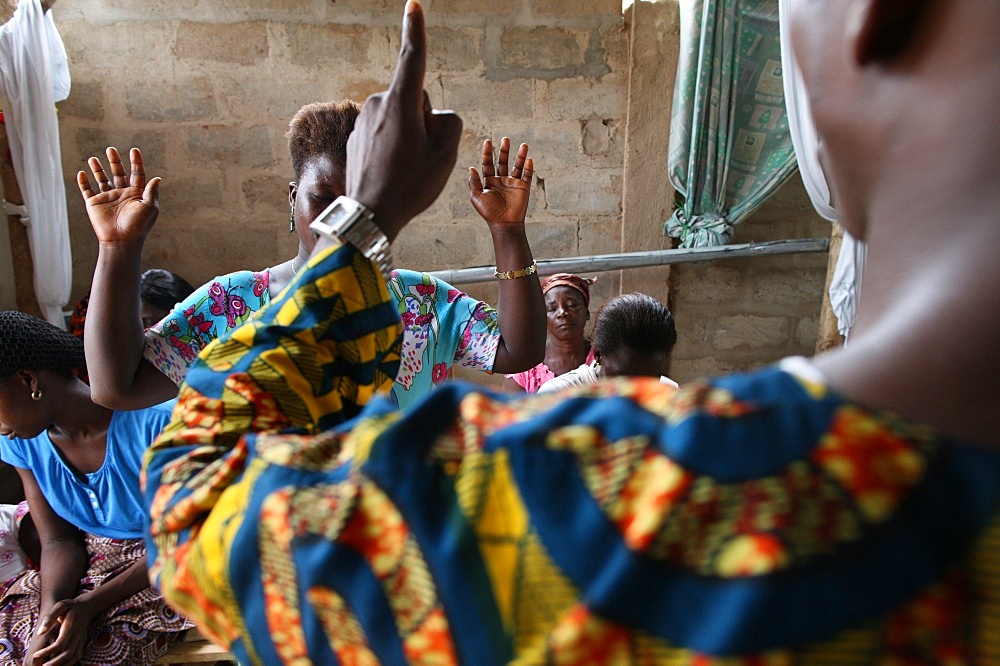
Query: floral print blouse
[442, 326]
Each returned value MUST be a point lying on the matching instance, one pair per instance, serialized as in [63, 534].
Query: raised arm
[122, 212]
[501, 198]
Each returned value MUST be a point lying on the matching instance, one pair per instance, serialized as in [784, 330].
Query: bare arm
[502, 200]
[122, 213]
[63, 558]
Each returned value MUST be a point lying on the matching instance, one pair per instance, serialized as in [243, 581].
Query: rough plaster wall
[206, 88]
[739, 314]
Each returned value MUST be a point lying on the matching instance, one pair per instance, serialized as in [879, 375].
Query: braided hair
[29, 343]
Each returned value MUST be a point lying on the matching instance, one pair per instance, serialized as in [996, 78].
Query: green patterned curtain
[730, 146]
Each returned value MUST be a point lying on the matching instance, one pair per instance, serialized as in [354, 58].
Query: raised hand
[502, 199]
[402, 151]
[123, 209]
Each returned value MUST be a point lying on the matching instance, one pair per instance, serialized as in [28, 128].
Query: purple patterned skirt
[139, 630]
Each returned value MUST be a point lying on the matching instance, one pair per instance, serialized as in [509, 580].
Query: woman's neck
[565, 355]
[285, 272]
[78, 418]
[927, 341]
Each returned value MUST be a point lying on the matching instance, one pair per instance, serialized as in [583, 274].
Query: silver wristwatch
[347, 221]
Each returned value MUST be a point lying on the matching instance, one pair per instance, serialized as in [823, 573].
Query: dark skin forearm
[122, 210]
[63, 563]
[133, 580]
[120, 379]
[520, 304]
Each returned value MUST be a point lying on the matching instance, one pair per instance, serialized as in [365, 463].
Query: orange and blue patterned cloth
[756, 518]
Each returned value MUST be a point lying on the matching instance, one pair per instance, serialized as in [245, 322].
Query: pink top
[530, 380]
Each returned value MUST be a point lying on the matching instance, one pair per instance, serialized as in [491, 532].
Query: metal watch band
[348, 221]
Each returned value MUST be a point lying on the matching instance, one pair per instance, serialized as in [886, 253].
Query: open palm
[502, 198]
[122, 209]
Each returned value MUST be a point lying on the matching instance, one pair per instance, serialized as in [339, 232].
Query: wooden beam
[828, 336]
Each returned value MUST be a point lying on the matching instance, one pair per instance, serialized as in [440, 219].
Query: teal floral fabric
[730, 146]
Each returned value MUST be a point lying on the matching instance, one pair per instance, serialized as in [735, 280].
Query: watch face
[335, 215]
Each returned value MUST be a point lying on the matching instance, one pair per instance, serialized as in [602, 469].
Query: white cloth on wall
[845, 285]
[34, 75]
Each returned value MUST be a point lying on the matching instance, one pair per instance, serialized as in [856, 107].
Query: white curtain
[845, 285]
[34, 75]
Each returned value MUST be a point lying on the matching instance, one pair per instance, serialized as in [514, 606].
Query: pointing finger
[408, 81]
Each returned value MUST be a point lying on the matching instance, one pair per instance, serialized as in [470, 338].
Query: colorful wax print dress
[748, 519]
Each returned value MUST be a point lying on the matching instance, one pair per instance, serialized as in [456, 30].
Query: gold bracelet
[519, 273]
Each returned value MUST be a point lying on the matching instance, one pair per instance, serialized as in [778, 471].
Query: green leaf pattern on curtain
[730, 146]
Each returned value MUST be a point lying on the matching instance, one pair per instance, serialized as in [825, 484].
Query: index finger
[408, 81]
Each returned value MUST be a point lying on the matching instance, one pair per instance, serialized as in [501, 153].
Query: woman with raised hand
[90, 599]
[443, 326]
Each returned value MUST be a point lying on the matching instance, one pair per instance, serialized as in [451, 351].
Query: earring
[36, 395]
[291, 222]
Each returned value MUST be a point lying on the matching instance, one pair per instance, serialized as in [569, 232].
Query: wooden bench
[193, 648]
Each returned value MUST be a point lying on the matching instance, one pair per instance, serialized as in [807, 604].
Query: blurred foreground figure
[842, 510]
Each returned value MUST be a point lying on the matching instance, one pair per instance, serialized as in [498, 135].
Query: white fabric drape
[845, 285]
[34, 75]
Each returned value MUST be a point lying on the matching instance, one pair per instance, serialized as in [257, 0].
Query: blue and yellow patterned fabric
[755, 518]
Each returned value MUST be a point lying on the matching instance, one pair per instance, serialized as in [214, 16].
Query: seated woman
[633, 335]
[159, 291]
[90, 599]
[443, 326]
[567, 309]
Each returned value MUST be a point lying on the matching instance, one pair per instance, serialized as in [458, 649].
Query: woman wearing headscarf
[567, 310]
[90, 600]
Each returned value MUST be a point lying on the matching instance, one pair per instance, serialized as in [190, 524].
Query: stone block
[806, 332]
[708, 283]
[496, 103]
[86, 100]
[552, 238]
[178, 101]
[599, 234]
[243, 43]
[92, 142]
[592, 191]
[148, 7]
[248, 146]
[542, 48]
[576, 9]
[454, 49]
[750, 332]
[266, 194]
[581, 97]
[182, 197]
[787, 291]
[482, 9]
[257, 7]
[101, 49]
[318, 47]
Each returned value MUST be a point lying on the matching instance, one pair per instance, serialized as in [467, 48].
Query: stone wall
[206, 88]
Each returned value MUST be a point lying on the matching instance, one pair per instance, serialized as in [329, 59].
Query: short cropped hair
[163, 289]
[634, 321]
[321, 128]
